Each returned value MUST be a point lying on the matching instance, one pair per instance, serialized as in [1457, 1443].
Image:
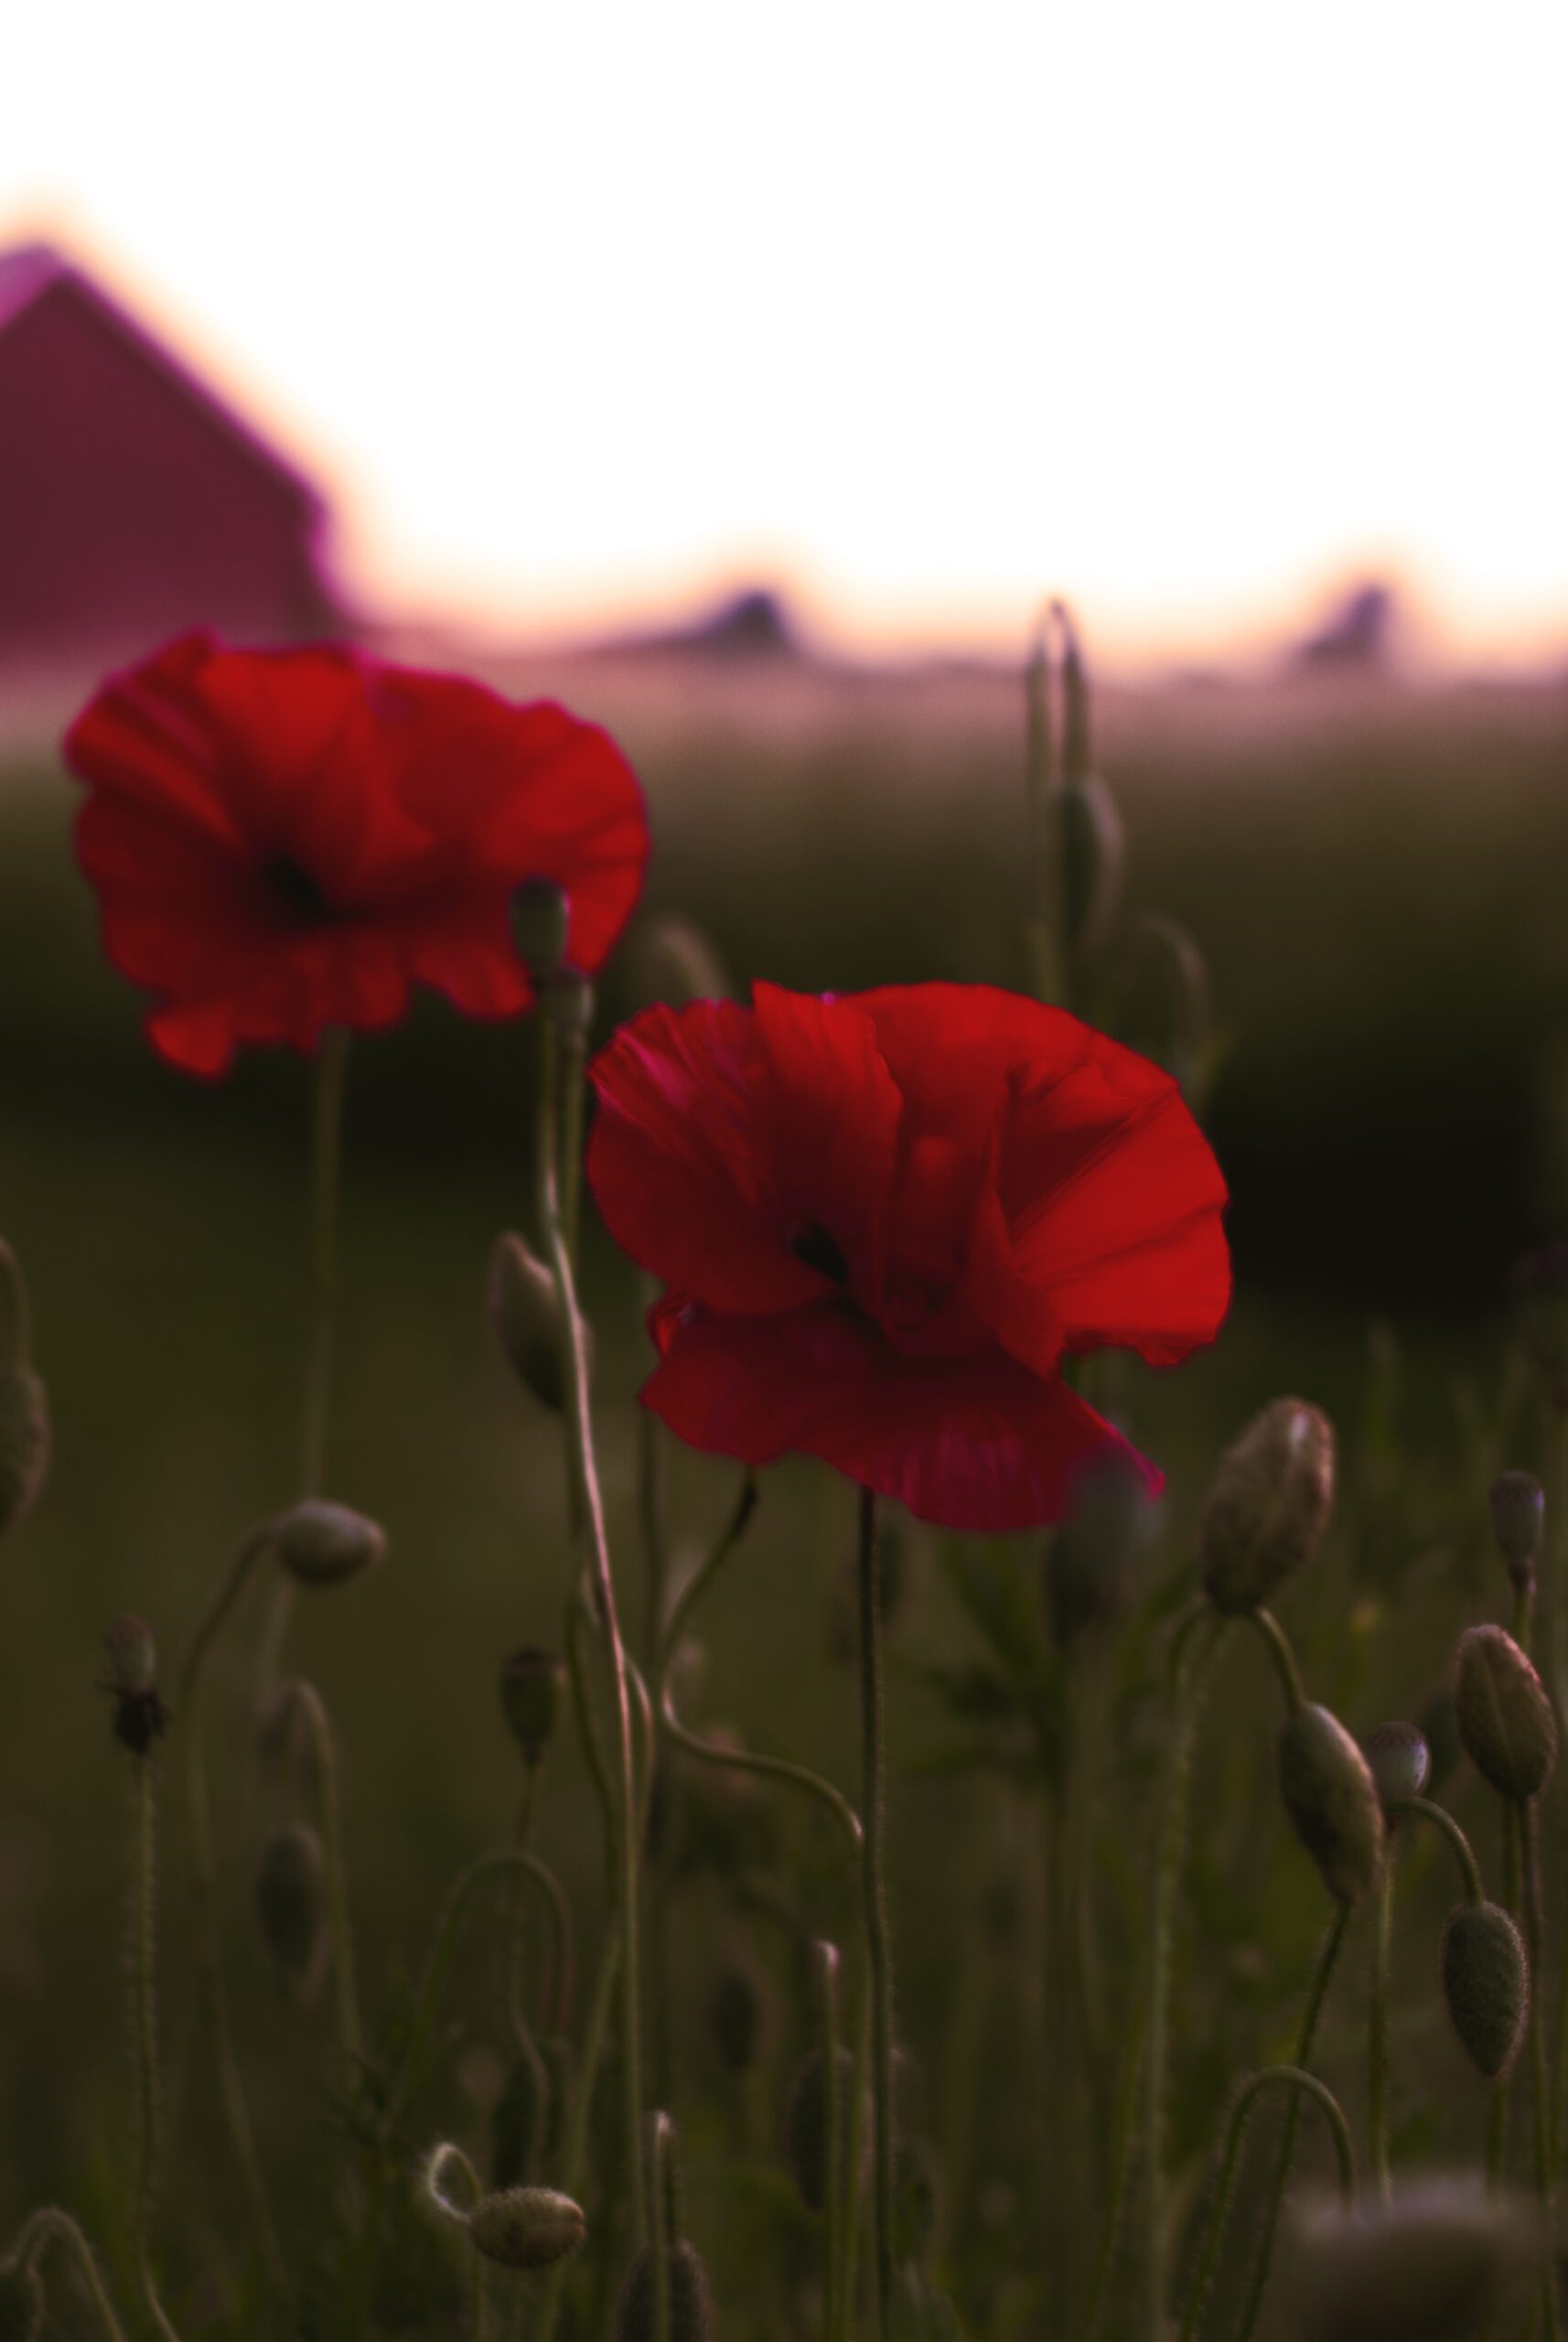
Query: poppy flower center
[296, 891]
[811, 1243]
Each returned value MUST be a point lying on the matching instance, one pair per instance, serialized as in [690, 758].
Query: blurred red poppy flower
[285, 840]
[886, 1220]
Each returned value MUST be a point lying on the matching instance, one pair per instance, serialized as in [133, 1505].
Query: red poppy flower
[283, 840]
[885, 1220]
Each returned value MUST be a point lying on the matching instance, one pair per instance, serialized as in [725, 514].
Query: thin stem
[825, 1977]
[1304, 2085]
[448, 2157]
[48, 2225]
[1502, 2091]
[572, 1052]
[145, 2028]
[332, 1064]
[774, 1768]
[16, 1313]
[660, 2222]
[575, 2144]
[1524, 1823]
[874, 1821]
[307, 1700]
[1045, 921]
[1323, 1975]
[1283, 1656]
[1424, 1809]
[1378, 2030]
[702, 1577]
[1123, 2124]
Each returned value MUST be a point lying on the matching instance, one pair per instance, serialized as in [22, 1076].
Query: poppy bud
[1400, 1759]
[1517, 1502]
[1540, 1296]
[326, 1544]
[742, 2017]
[22, 2303]
[689, 2296]
[1434, 2264]
[24, 1440]
[1485, 1983]
[672, 961]
[1504, 1716]
[806, 2124]
[526, 2228]
[1267, 1506]
[1094, 854]
[914, 2201]
[1093, 1558]
[540, 916]
[1332, 1798]
[533, 1685]
[291, 1905]
[139, 1713]
[525, 1310]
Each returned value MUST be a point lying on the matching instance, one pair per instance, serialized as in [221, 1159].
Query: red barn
[132, 503]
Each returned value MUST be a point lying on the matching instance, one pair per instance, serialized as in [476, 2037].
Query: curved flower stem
[444, 2158]
[704, 1576]
[1328, 1960]
[145, 2029]
[1378, 2028]
[1524, 1824]
[1283, 1656]
[1190, 1684]
[874, 1818]
[297, 1693]
[48, 2225]
[1305, 2085]
[774, 1768]
[204, 1892]
[16, 1316]
[1422, 1809]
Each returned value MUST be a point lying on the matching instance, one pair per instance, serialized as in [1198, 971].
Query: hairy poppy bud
[533, 1685]
[1541, 1294]
[690, 2296]
[24, 1440]
[291, 1904]
[1267, 1506]
[1399, 1758]
[806, 2123]
[22, 2303]
[914, 2201]
[540, 916]
[1517, 1502]
[742, 2015]
[1332, 1798]
[525, 1310]
[526, 2228]
[1094, 855]
[1504, 1716]
[139, 1713]
[1094, 1557]
[1485, 1983]
[670, 960]
[1434, 2264]
[327, 1544]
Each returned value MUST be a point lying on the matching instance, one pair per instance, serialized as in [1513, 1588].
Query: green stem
[1283, 1656]
[874, 1821]
[575, 2144]
[1502, 2091]
[571, 1053]
[48, 2225]
[1377, 2029]
[145, 2030]
[298, 1694]
[1423, 1810]
[825, 1976]
[1323, 1975]
[1303, 2084]
[659, 2221]
[772, 1768]
[704, 1576]
[1524, 1823]
[1169, 1849]
[1123, 2124]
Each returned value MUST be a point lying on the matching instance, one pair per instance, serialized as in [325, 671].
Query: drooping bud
[1094, 1559]
[914, 2201]
[806, 2123]
[1437, 2263]
[1540, 1285]
[1332, 1798]
[526, 2228]
[291, 1904]
[323, 1544]
[22, 2303]
[742, 2015]
[1485, 1983]
[670, 960]
[1399, 1758]
[24, 1440]
[533, 1685]
[525, 1310]
[1094, 855]
[1517, 1502]
[1504, 1716]
[1268, 1505]
[690, 2295]
[139, 1713]
[540, 916]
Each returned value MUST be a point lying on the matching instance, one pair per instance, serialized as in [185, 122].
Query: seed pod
[1486, 1982]
[1435, 2264]
[325, 1544]
[1504, 1716]
[533, 1685]
[806, 2124]
[914, 2201]
[1332, 1798]
[1094, 857]
[24, 1440]
[540, 916]
[525, 1310]
[1268, 1505]
[526, 2228]
[291, 1904]
[1400, 1759]
[1540, 1296]
[690, 2297]
[1094, 1558]
[1517, 1502]
[22, 2303]
[670, 960]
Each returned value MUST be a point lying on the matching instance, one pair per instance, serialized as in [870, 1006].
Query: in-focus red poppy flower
[285, 840]
[885, 1220]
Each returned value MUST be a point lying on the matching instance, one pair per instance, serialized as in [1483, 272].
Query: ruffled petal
[827, 1126]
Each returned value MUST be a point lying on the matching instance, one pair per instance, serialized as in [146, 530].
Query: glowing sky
[1186, 307]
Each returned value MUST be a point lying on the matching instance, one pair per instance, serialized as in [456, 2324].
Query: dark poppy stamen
[296, 890]
[811, 1243]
